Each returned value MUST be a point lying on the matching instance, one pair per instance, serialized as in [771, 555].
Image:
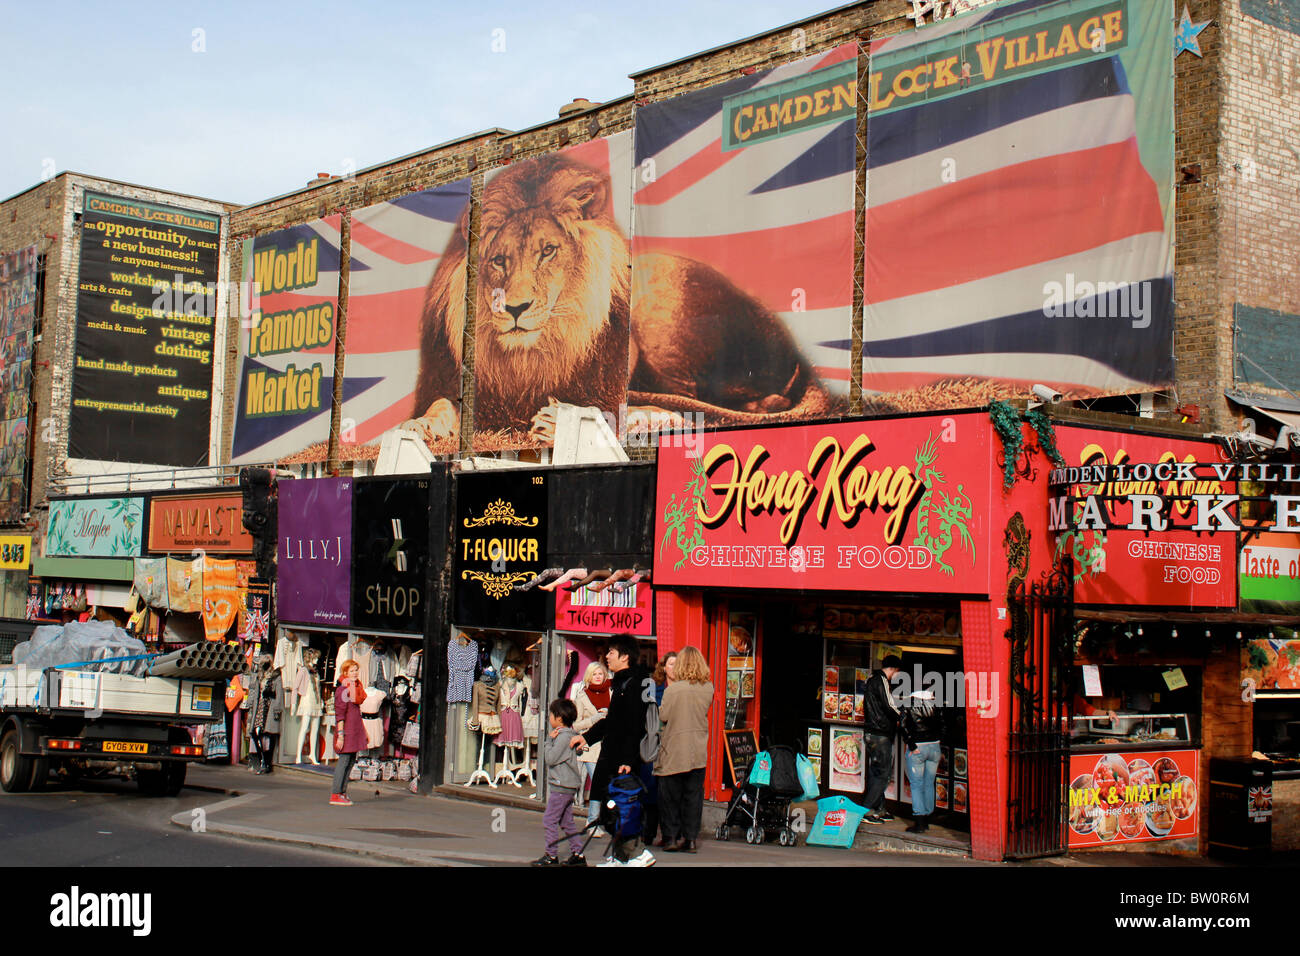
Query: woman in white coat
[592, 700]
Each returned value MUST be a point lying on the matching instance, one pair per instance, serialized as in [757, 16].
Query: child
[565, 778]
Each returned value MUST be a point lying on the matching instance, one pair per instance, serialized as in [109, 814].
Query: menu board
[742, 747]
[1132, 797]
[844, 694]
[848, 757]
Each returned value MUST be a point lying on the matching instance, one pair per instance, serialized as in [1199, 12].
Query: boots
[920, 824]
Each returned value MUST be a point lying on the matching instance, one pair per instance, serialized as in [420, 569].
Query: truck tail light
[64, 744]
[184, 751]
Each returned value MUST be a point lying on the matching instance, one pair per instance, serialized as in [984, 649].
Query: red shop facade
[797, 557]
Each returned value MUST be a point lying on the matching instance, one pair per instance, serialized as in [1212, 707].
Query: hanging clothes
[306, 692]
[220, 599]
[185, 585]
[288, 658]
[150, 579]
[462, 659]
[359, 652]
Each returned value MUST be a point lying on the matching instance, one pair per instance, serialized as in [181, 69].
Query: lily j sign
[901, 503]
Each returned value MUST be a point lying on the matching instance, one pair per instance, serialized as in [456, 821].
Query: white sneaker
[645, 859]
[614, 862]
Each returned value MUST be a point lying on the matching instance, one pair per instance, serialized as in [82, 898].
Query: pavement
[388, 824]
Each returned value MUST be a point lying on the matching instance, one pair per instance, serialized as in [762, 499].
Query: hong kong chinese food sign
[887, 504]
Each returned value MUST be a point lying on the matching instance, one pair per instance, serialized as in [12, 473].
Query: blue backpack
[621, 813]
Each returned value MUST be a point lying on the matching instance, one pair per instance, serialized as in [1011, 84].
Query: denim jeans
[922, 765]
[341, 771]
[880, 751]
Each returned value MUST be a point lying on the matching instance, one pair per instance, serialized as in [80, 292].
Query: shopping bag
[807, 777]
[836, 823]
[760, 771]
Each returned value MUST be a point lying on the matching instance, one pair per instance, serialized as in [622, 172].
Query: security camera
[1285, 437]
[1045, 393]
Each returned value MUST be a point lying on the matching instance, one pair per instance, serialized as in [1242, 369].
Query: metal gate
[1042, 654]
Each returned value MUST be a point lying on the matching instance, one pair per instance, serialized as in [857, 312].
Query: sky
[241, 101]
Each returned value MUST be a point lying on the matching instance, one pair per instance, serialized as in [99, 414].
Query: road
[107, 823]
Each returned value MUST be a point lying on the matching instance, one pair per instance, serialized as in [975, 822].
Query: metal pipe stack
[201, 661]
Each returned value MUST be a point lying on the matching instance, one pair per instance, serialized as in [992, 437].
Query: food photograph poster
[1132, 797]
[848, 760]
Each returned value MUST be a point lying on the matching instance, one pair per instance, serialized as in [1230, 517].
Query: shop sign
[390, 535]
[184, 523]
[1268, 573]
[1145, 521]
[888, 504]
[15, 552]
[501, 543]
[95, 528]
[1134, 797]
[314, 563]
[587, 611]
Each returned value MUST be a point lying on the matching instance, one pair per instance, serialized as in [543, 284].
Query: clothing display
[288, 657]
[306, 690]
[509, 703]
[185, 585]
[357, 650]
[150, 580]
[532, 712]
[220, 597]
[462, 659]
[266, 702]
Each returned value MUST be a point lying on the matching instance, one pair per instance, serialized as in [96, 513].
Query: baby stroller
[764, 809]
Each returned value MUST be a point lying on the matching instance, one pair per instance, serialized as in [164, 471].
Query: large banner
[743, 271]
[901, 503]
[146, 317]
[315, 551]
[1133, 797]
[1020, 210]
[553, 293]
[398, 247]
[286, 342]
[17, 315]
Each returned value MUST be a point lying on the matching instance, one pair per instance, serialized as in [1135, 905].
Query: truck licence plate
[122, 747]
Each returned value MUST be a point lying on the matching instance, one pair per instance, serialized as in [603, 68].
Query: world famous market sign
[889, 504]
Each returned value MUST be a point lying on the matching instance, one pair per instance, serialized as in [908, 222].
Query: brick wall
[1259, 159]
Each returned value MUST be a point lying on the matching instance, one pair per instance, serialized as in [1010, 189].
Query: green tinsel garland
[1006, 421]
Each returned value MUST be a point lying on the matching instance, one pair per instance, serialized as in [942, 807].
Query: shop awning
[84, 569]
[1189, 617]
[1282, 410]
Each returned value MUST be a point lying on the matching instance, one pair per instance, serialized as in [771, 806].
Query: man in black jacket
[620, 733]
[881, 726]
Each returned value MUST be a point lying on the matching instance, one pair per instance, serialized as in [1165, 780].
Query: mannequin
[266, 709]
[288, 658]
[307, 704]
[510, 701]
[484, 703]
[403, 710]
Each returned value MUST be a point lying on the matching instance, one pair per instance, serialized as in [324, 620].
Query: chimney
[577, 106]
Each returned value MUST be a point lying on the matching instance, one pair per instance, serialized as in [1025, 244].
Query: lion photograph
[556, 321]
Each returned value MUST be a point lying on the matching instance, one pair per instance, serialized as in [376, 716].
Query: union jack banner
[1019, 222]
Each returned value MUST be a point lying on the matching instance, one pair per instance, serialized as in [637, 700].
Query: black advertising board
[500, 543]
[390, 554]
[742, 748]
[146, 316]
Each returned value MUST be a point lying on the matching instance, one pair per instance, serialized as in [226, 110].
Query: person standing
[662, 676]
[349, 732]
[881, 727]
[592, 702]
[683, 750]
[620, 733]
[564, 778]
[922, 726]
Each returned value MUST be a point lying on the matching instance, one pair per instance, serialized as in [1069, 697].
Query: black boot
[920, 824]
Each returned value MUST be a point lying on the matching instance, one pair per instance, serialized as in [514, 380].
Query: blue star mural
[1185, 35]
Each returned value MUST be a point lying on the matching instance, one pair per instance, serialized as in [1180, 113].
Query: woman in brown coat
[683, 750]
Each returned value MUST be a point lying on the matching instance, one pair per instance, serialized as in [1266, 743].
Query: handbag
[807, 777]
[411, 734]
[489, 724]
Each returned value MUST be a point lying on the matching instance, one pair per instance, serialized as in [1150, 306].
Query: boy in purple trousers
[564, 778]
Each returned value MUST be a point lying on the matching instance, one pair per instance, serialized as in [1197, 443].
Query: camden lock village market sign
[210, 522]
[500, 543]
